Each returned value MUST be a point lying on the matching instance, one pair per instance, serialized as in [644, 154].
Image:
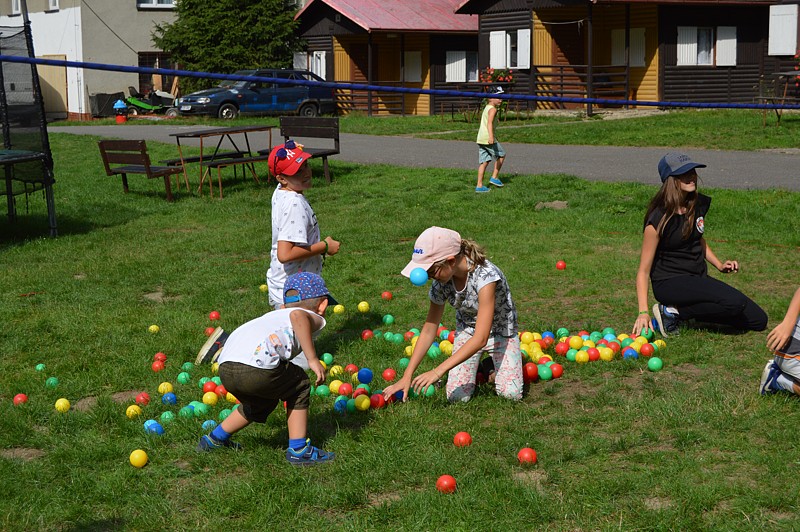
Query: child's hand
[421, 382]
[318, 370]
[779, 336]
[333, 246]
[729, 266]
[642, 324]
[402, 384]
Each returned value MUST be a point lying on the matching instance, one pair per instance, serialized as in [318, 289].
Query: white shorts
[788, 360]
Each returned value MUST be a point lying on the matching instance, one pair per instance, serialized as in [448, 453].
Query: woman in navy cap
[674, 256]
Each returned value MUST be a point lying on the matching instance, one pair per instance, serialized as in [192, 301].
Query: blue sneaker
[308, 455]
[496, 182]
[481, 189]
[769, 379]
[664, 321]
[207, 443]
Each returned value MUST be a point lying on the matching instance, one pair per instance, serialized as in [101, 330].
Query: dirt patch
[124, 397]
[555, 205]
[25, 454]
[379, 499]
[79, 276]
[532, 477]
[159, 297]
[657, 503]
[242, 291]
[85, 404]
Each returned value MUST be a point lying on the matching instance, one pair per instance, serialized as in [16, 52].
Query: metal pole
[589, 80]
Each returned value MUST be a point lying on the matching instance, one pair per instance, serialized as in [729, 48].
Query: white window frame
[726, 46]
[638, 47]
[723, 43]
[319, 63]
[16, 7]
[782, 30]
[52, 5]
[510, 49]
[457, 66]
[156, 4]
[412, 66]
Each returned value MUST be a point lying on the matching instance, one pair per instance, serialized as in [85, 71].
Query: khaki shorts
[259, 390]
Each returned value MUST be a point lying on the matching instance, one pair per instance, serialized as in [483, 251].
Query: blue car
[232, 98]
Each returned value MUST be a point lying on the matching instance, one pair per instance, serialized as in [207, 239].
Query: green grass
[690, 447]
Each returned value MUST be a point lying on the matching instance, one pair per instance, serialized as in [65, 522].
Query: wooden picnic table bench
[314, 128]
[133, 157]
[219, 164]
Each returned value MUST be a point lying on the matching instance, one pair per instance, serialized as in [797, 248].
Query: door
[53, 81]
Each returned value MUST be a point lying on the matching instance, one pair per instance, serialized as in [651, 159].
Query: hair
[311, 304]
[670, 198]
[469, 249]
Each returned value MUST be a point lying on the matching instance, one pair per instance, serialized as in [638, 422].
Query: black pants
[710, 300]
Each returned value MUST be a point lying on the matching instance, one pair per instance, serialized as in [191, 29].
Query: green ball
[327, 358]
[403, 362]
[655, 364]
[184, 378]
[364, 386]
[571, 354]
[200, 409]
[216, 380]
[562, 332]
[545, 373]
[351, 405]
[626, 342]
[51, 382]
[187, 411]
[341, 398]
[415, 331]
[397, 338]
[649, 333]
[377, 333]
[609, 330]
[388, 336]
[202, 382]
[549, 363]
[224, 414]
[167, 416]
[430, 391]
[388, 319]
[40, 367]
[323, 390]
[187, 366]
[595, 336]
[444, 334]
[434, 352]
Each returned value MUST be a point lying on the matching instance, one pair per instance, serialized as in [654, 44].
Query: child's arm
[490, 124]
[426, 337]
[289, 251]
[483, 327]
[725, 267]
[779, 336]
[303, 324]
[649, 246]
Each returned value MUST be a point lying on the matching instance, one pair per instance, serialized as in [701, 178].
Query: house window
[158, 4]
[636, 47]
[319, 63]
[706, 46]
[460, 66]
[52, 5]
[15, 7]
[782, 29]
[510, 49]
[412, 67]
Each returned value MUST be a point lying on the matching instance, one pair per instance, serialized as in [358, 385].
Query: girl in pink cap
[486, 319]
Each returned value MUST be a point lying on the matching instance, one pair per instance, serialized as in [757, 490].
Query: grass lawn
[690, 447]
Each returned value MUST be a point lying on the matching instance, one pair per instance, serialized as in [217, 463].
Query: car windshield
[234, 84]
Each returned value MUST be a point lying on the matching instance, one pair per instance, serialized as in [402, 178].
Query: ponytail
[474, 252]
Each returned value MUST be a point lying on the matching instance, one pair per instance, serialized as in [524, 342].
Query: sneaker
[665, 322]
[481, 189]
[207, 443]
[496, 182]
[308, 455]
[769, 379]
[212, 348]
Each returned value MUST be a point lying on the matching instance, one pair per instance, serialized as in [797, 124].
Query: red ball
[209, 331]
[351, 368]
[647, 350]
[561, 265]
[377, 401]
[562, 348]
[541, 343]
[221, 391]
[462, 439]
[157, 366]
[408, 335]
[160, 356]
[366, 334]
[20, 398]
[583, 332]
[594, 354]
[389, 374]
[530, 372]
[357, 392]
[346, 389]
[557, 369]
[451, 337]
[387, 296]
[142, 399]
[526, 456]
[209, 386]
[614, 346]
[446, 484]
[213, 315]
[548, 341]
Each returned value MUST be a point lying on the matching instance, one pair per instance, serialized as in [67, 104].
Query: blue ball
[365, 375]
[398, 395]
[209, 424]
[548, 334]
[169, 398]
[418, 277]
[630, 353]
[340, 406]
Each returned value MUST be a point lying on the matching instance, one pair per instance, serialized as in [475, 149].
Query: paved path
[726, 169]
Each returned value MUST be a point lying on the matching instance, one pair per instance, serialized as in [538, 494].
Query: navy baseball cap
[676, 164]
[308, 286]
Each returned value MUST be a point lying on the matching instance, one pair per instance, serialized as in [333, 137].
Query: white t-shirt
[265, 341]
[465, 301]
[293, 220]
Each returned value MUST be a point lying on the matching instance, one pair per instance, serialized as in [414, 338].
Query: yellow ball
[414, 340]
[133, 411]
[334, 386]
[154, 328]
[536, 348]
[576, 342]
[62, 405]
[164, 387]
[563, 339]
[524, 346]
[581, 357]
[409, 350]
[537, 336]
[606, 354]
[588, 343]
[338, 309]
[526, 337]
[323, 364]
[230, 398]
[210, 398]
[336, 371]
[641, 339]
[264, 288]
[362, 402]
[660, 343]
[446, 347]
[622, 337]
[215, 368]
[636, 346]
[354, 379]
[138, 458]
[363, 307]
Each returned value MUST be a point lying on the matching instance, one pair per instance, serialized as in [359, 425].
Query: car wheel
[133, 111]
[228, 111]
[307, 109]
[171, 112]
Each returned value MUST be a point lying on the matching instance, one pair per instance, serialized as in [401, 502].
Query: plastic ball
[581, 357]
[351, 405]
[557, 370]
[263, 288]
[133, 411]
[576, 342]
[51, 383]
[327, 358]
[338, 309]
[630, 353]
[166, 417]
[389, 374]
[545, 373]
[153, 329]
[647, 350]
[209, 386]
[224, 413]
[388, 319]
[526, 456]
[594, 354]
[366, 334]
[418, 277]
[445, 483]
[655, 364]
[561, 265]
[362, 402]
[231, 398]
[151, 426]
[209, 331]
[530, 372]
[334, 386]
[209, 425]
[165, 387]
[138, 458]
[186, 412]
[562, 332]
[363, 307]
[62, 405]
[434, 352]
[221, 391]
[462, 439]
[187, 366]
[359, 392]
[40, 367]
[20, 399]
[213, 315]
[346, 389]
[183, 378]
[386, 296]
[340, 405]
[169, 398]
[365, 375]
[143, 399]
[403, 363]
[323, 391]
[157, 366]
[210, 398]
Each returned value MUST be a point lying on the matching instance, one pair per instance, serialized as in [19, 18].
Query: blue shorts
[490, 152]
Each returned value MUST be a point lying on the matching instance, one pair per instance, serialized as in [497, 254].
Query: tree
[223, 36]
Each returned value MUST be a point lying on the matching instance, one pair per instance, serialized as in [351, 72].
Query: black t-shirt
[674, 255]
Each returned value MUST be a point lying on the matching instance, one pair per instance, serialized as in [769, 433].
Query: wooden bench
[315, 128]
[196, 159]
[133, 156]
[219, 164]
[775, 90]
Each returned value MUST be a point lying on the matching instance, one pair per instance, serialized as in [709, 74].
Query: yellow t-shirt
[483, 130]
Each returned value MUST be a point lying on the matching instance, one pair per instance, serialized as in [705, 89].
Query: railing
[572, 81]
[372, 102]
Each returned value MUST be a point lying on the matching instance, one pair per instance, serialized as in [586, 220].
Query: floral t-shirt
[465, 301]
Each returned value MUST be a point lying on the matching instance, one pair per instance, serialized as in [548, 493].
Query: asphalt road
[726, 169]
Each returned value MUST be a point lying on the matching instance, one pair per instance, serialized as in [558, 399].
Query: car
[232, 98]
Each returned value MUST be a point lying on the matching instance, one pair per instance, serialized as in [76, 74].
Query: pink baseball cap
[433, 245]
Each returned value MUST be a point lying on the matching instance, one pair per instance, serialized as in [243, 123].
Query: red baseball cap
[287, 158]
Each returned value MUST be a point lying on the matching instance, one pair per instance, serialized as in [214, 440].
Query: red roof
[401, 15]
